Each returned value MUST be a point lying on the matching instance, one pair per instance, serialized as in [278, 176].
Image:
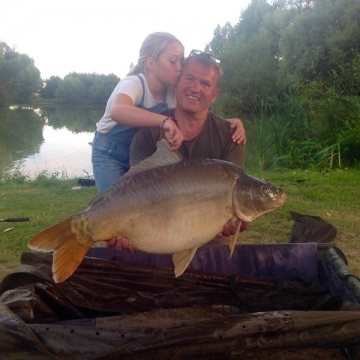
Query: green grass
[332, 195]
[45, 203]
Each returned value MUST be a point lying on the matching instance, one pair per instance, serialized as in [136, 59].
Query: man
[206, 135]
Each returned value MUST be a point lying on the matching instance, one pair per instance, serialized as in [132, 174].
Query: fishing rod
[19, 219]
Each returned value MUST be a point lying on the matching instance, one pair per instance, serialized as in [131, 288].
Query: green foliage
[16, 177]
[295, 65]
[252, 19]
[44, 178]
[71, 90]
[50, 87]
[250, 70]
[220, 40]
[322, 130]
[20, 83]
[19, 78]
[102, 87]
[287, 43]
[82, 88]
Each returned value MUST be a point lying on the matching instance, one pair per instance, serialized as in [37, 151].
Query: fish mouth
[258, 211]
[282, 200]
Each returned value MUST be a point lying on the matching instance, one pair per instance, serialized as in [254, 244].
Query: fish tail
[50, 238]
[68, 250]
[67, 258]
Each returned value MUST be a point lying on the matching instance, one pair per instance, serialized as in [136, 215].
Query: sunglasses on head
[202, 53]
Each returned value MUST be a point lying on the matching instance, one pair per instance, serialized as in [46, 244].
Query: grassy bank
[332, 195]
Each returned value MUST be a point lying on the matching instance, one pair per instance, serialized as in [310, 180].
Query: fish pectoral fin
[67, 258]
[235, 236]
[182, 259]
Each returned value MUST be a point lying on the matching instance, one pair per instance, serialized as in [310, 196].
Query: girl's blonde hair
[153, 46]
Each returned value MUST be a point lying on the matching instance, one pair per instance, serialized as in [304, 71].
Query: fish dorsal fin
[182, 260]
[162, 156]
[97, 198]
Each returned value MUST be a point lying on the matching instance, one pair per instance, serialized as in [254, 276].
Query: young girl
[137, 101]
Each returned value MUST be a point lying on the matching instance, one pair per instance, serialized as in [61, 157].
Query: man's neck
[190, 124]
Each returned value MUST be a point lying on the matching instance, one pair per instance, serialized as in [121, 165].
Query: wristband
[163, 122]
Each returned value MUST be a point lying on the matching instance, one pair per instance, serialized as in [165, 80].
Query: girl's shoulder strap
[141, 103]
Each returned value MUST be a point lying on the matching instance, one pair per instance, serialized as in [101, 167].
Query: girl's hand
[173, 134]
[239, 136]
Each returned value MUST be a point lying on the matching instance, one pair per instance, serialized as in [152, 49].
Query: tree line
[289, 44]
[79, 88]
[296, 62]
[274, 47]
[21, 83]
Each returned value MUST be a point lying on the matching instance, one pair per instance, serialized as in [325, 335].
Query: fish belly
[169, 229]
[167, 213]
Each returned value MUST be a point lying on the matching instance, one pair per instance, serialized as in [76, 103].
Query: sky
[104, 36]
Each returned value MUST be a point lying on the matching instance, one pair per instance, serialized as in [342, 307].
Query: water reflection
[56, 140]
[52, 139]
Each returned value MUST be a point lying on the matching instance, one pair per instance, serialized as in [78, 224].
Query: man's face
[197, 88]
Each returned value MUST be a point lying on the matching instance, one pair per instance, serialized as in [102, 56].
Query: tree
[250, 56]
[81, 88]
[344, 45]
[50, 86]
[102, 88]
[71, 90]
[220, 40]
[20, 80]
[252, 18]
[320, 39]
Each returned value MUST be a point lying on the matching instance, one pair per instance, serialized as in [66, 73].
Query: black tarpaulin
[124, 305]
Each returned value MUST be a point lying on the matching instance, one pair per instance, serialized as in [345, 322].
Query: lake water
[55, 140]
[60, 151]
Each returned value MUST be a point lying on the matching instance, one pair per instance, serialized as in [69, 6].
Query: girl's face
[168, 66]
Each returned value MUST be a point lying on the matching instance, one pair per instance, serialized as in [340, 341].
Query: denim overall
[111, 151]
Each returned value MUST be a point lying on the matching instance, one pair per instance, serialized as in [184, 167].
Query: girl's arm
[239, 135]
[124, 112]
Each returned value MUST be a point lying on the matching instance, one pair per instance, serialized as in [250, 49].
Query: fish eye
[270, 193]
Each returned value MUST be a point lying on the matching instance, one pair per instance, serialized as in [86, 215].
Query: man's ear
[216, 94]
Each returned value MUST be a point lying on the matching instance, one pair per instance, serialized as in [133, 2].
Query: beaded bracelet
[163, 122]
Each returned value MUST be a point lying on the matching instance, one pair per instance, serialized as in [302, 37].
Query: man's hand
[173, 134]
[121, 243]
[239, 136]
[229, 228]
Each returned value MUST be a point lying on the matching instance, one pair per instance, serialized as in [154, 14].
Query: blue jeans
[110, 157]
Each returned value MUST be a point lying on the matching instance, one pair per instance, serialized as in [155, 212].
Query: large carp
[165, 205]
